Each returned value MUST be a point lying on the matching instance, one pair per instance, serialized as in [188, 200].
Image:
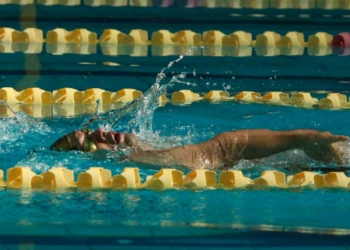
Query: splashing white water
[141, 110]
[17, 127]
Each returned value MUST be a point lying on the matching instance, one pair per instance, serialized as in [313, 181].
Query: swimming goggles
[88, 144]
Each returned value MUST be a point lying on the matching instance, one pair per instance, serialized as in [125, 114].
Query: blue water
[136, 217]
[136, 210]
[290, 208]
[244, 218]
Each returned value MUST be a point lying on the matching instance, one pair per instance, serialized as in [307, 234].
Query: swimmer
[220, 152]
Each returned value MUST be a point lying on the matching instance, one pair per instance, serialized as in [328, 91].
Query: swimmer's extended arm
[262, 143]
[226, 149]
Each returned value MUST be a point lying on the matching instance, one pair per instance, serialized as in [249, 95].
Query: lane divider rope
[100, 178]
[68, 102]
[114, 42]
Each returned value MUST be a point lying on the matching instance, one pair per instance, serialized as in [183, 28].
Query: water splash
[20, 136]
[14, 128]
[141, 110]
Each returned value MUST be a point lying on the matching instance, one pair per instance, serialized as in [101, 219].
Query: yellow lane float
[216, 95]
[57, 35]
[320, 44]
[266, 44]
[164, 179]
[70, 102]
[57, 178]
[9, 95]
[63, 96]
[276, 98]
[184, 97]
[162, 37]
[34, 96]
[332, 101]
[303, 99]
[136, 37]
[237, 38]
[305, 178]
[165, 43]
[121, 96]
[29, 35]
[95, 177]
[129, 178]
[268, 38]
[22, 177]
[2, 181]
[8, 35]
[90, 96]
[138, 3]
[200, 178]
[336, 179]
[213, 37]
[187, 37]
[271, 179]
[292, 43]
[112, 36]
[248, 96]
[81, 36]
[233, 179]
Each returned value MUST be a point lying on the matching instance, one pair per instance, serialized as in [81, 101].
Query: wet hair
[69, 142]
[66, 142]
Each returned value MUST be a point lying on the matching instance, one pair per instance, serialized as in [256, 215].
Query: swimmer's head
[88, 141]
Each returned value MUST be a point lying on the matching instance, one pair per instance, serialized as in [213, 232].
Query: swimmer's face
[98, 139]
[107, 140]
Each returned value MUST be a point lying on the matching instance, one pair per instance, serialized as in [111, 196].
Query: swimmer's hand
[321, 146]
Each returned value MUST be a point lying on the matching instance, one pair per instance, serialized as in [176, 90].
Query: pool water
[245, 218]
[176, 218]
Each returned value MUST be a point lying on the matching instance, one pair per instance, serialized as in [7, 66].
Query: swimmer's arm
[166, 157]
[226, 149]
[255, 144]
[263, 143]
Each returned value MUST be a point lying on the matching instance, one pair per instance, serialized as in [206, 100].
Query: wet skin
[226, 149]
[107, 140]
